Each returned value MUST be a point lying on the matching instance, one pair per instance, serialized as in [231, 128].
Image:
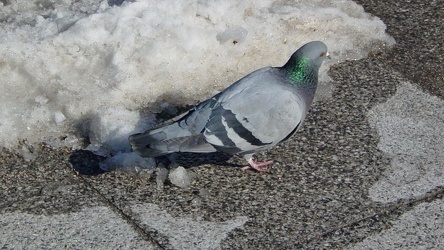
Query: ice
[204, 193]
[161, 177]
[89, 71]
[180, 177]
[128, 162]
[234, 34]
[59, 117]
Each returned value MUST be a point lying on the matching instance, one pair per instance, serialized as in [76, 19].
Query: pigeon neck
[302, 74]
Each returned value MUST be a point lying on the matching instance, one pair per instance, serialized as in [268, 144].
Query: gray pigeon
[255, 113]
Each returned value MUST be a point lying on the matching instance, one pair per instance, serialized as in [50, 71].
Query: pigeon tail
[140, 144]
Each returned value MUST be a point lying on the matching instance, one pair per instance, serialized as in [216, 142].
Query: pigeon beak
[328, 56]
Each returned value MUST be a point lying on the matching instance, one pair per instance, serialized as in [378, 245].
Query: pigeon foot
[258, 166]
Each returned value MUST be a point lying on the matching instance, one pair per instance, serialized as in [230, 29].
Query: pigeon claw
[258, 166]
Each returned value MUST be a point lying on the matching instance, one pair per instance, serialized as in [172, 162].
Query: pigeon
[255, 113]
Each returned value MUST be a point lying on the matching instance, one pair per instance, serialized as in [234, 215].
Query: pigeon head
[304, 64]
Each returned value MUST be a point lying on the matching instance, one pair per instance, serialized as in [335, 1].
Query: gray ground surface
[365, 172]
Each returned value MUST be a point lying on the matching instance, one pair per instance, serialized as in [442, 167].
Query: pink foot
[257, 165]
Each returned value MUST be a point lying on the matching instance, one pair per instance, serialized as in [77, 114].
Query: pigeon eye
[322, 54]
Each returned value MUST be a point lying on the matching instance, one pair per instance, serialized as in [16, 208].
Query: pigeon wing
[255, 113]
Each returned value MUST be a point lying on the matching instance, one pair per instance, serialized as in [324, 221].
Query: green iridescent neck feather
[302, 73]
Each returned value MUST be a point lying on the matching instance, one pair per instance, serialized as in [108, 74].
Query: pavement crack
[401, 206]
[145, 235]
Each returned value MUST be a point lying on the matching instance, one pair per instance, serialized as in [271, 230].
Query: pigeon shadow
[85, 162]
[189, 160]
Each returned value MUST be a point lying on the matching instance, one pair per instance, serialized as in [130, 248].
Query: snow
[76, 70]
[180, 177]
